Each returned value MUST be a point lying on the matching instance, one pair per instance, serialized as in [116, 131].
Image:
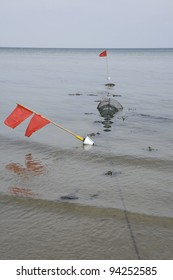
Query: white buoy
[88, 141]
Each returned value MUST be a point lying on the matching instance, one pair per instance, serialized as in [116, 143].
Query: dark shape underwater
[107, 109]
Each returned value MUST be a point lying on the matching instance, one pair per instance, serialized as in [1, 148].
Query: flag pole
[86, 140]
[108, 77]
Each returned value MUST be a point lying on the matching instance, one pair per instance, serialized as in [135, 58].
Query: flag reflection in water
[22, 192]
[31, 166]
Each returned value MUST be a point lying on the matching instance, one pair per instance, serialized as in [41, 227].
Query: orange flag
[104, 53]
[35, 124]
[18, 115]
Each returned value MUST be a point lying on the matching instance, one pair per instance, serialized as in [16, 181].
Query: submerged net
[109, 106]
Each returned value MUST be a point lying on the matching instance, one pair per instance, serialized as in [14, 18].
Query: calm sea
[62, 200]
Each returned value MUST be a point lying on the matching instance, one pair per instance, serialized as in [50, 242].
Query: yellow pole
[58, 125]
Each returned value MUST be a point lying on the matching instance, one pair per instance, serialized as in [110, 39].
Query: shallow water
[63, 200]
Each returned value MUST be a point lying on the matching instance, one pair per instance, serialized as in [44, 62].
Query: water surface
[62, 200]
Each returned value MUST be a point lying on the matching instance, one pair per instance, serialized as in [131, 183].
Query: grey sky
[86, 23]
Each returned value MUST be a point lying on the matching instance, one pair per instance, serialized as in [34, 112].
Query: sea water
[62, 200]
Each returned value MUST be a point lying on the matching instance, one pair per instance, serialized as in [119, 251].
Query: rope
[128, 222]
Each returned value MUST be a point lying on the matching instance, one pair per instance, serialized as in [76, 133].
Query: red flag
[18, 115]
[102, 54]
[35, 124]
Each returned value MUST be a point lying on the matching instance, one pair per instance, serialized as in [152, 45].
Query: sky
[86, 23]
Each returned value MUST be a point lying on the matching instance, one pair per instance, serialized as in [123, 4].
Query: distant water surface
[62, 200]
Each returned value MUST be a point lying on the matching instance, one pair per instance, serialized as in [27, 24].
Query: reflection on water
[107, 123]
[31, 166]
[21, 192]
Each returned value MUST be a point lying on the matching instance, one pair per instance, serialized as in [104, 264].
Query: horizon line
[92, 48]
